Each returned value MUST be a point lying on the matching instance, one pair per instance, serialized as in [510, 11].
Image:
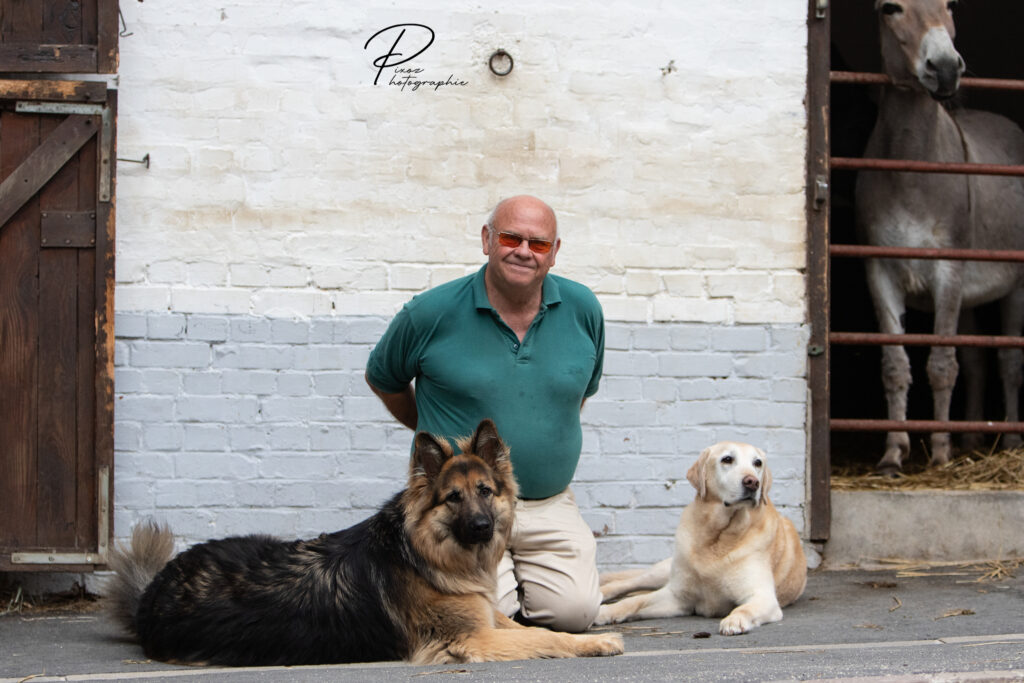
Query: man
[524, 348]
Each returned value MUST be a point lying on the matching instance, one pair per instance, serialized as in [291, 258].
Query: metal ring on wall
[498, 55]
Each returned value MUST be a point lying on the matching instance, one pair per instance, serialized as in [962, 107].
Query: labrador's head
[731, 472]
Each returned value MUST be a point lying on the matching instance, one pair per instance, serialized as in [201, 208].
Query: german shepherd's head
[459, 508]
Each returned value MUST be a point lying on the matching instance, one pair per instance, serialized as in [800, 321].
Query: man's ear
[485, 238]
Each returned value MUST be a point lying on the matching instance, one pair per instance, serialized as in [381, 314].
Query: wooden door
[57, 154]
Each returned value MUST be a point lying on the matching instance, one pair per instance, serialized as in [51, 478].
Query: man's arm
[402, 404]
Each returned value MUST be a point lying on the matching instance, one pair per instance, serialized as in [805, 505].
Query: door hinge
[819, 8]
[820, 191]
[106, 132]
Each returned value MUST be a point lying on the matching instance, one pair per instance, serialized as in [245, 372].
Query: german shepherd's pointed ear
[487, 445]
[429, 454]
[696, 475]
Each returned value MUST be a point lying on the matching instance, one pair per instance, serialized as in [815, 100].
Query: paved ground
[942, 626]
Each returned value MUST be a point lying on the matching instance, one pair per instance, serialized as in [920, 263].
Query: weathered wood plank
[104, 326]
[19, 253]
[108, 31]
[62, 22]
[33, 58]
[21, 22]
[53, 91]
[58, 316]
[26, 180]
[86, 521]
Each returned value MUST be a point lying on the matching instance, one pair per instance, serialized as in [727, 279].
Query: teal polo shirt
[469, 365]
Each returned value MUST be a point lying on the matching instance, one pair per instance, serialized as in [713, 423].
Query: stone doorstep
[928, 525]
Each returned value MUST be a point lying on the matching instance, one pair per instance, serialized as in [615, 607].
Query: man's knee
[571, 611]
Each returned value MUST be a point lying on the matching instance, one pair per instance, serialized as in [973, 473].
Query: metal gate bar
[855, 425]
[848, 163]
[866, 251]
[880, 339]
[924, 253]
[966, 82]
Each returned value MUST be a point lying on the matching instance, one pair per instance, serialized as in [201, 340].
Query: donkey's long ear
[696, 475]
[766, 478]
[429, 455]
[487, 445]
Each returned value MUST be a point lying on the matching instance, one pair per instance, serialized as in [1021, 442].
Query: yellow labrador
[734, 551]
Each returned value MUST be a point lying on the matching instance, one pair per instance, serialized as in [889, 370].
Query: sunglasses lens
[507, 239]
[512, 240]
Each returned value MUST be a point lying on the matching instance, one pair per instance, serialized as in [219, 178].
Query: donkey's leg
[890, 309]
[942, 366]
[972, 369]
[1011, 360]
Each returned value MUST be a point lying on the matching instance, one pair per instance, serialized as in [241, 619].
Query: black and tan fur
[415, 581]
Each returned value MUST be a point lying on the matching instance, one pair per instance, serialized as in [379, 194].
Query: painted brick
[127, 436]
[144, 408]
[128, 381]
[289, 437]
[202, 383]
[206, 328]
[289, 332]
[163, 437]
[159, 381]
[170, 354]
[203, 437]
[228, 409]
[248, 437]
[256, 382]
[739, 338]
[294, 384]
[254, 357]
[248, 329]
[299, 408]
[695, 365]
[684, 214]
[130, 326]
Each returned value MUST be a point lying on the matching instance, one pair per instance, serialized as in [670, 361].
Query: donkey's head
[917, 45]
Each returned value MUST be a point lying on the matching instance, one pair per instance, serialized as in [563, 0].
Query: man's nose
[523, 250]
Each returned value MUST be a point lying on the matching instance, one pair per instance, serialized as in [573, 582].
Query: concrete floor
[942, 624]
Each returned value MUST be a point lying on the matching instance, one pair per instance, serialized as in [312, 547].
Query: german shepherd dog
[415, 581]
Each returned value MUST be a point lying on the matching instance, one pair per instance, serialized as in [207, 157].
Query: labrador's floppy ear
[766, 478]
[697, 474]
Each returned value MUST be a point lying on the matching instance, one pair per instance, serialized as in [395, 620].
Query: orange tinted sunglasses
[512, 240]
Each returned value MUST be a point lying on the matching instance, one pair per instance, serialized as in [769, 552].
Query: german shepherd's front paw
[602, 645]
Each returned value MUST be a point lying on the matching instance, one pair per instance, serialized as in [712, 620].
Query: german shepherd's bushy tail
[152, 546]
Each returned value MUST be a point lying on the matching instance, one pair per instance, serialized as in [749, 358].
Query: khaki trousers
[549, 572]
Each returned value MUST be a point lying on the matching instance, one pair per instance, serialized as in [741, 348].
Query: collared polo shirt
[469, 365]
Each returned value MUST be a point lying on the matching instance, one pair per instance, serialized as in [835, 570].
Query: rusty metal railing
[867, 251]
[967, 82]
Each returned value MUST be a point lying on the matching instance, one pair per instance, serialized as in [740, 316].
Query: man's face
[520, 268]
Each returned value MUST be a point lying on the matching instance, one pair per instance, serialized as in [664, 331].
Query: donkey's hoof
[889, 471]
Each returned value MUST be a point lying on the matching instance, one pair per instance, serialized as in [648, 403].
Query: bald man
[525, 348]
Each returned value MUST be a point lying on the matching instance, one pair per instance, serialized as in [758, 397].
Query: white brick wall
[292, 206]
[232, 424]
